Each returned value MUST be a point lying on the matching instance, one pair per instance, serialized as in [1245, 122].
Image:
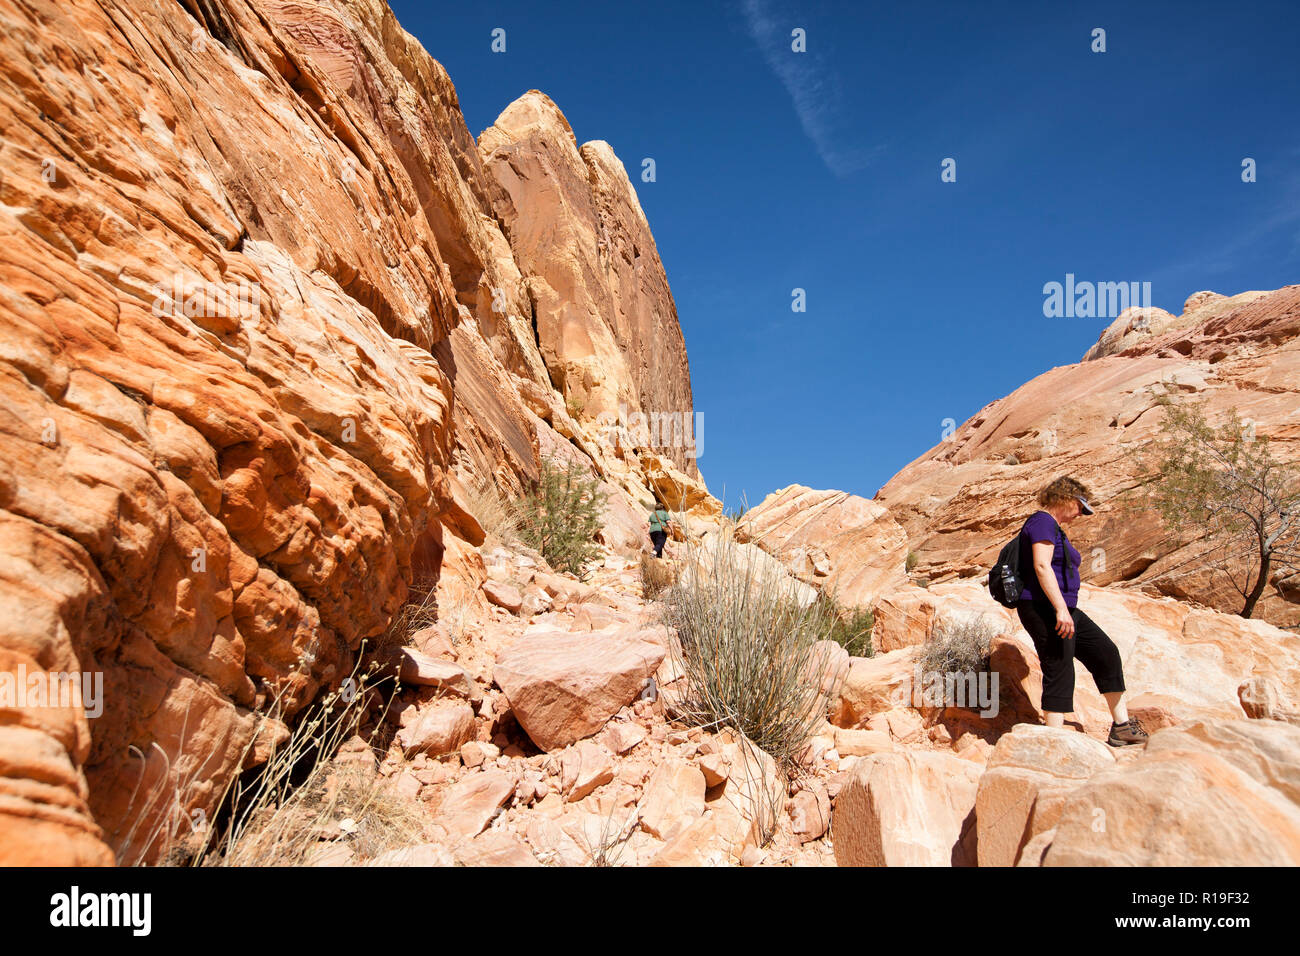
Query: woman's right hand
[1064, 624]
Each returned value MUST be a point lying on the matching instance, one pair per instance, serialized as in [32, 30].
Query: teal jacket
[659, 519]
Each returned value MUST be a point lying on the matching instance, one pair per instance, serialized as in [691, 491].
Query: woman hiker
[1060, 630]
[659, 519]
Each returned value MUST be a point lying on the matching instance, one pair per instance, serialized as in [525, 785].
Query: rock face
[267, 313]
[844, 544]
[1212, 793]
[597, 294]
[907, 809]
[1024, 785]
[962, 499]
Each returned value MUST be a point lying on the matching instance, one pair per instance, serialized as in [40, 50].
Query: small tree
[1223, 484]
[562, 515]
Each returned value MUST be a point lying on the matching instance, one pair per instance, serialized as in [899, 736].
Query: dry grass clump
[958, 645]
[657, 575]
[303, 796]
[500, 517]
[746, 648]
[419, 611]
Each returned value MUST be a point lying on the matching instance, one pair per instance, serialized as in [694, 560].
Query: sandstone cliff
[959, 501]
[269, 313]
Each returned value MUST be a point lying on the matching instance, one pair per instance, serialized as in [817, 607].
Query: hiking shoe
[1126, 735]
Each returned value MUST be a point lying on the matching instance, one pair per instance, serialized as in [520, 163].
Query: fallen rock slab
[436, 728]
[1027, 777]
[470, 804]
[563, 687]
[907, 809]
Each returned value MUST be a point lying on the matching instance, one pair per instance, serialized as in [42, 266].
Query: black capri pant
[1090, 644]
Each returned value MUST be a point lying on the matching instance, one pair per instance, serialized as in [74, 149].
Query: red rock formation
[962, 499]
[261, 328]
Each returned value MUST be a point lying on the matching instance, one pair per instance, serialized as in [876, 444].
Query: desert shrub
[1011, 459]
[850, 626]
[958, 645]
[561, 516]
[746, 649]
[1223, 484]
[657, 575]
[912, 560]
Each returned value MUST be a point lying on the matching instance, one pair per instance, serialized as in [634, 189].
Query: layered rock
[845, 545]
[1212, 793]
[597, 294]
[262, 331]
[962, 499]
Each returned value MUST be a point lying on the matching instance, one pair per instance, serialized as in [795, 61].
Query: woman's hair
[1061, 490]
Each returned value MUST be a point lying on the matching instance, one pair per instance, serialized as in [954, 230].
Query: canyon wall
[268, 313]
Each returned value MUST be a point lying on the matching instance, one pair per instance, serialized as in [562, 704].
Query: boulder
[1022, 790]
[1205, 793]
[908, 808]
[503, 595]
[810, 812]
[563, 686]
[673, 799]
[494, 848]
[584, 767]
[424, 854]
[422, 670]
[873, 685]
[436, 728]
[844, 544]
[469, 805]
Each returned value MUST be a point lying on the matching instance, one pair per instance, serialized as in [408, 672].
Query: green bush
[850, 626]
[561, 516]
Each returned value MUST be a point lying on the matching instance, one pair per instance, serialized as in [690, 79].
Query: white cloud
[812, 87]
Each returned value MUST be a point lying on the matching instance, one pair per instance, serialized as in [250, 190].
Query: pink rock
[469, 806]
[907, 809]
[563, 687]
[810, 813]
[436, 728]
[584, 767]
[421, 670]
[494, 848]
[673, 799]
[503, 595]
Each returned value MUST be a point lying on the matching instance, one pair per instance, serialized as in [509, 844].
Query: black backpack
[1005, 580]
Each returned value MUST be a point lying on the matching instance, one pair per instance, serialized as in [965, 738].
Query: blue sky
[820, 170]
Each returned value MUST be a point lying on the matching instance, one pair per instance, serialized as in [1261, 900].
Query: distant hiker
[1059, 629]
[659, 521]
